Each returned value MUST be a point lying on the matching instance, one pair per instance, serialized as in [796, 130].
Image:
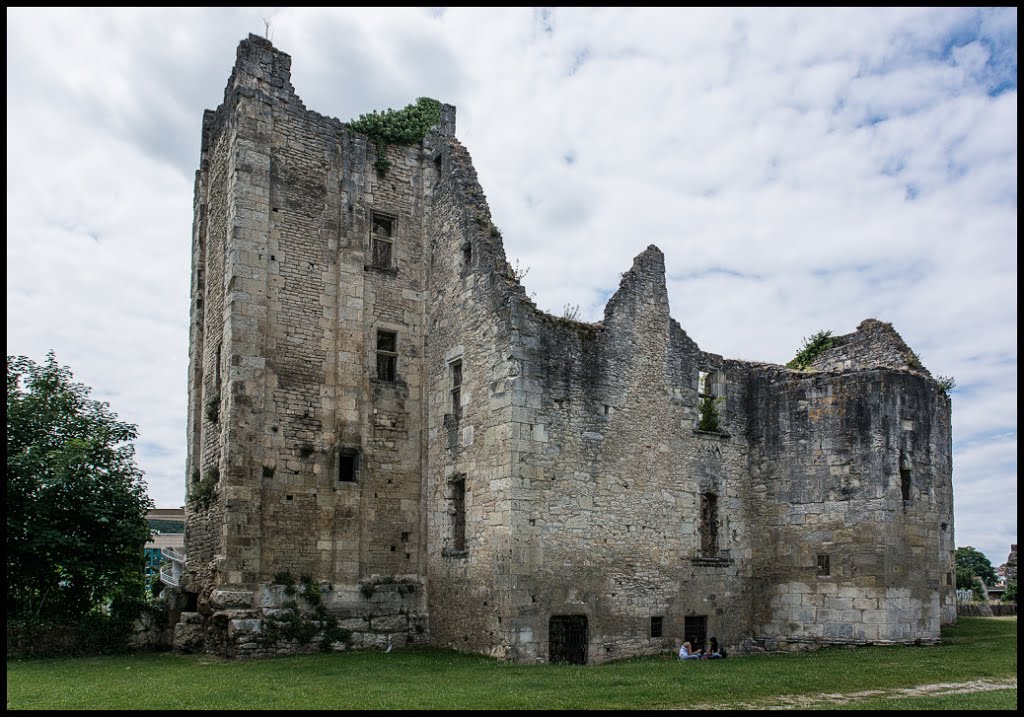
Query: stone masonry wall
[609, 474]
[406, 435]
[853, 467]
[302, 310]
[470, 434]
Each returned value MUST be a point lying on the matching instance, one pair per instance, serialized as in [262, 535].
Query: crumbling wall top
[875, 344]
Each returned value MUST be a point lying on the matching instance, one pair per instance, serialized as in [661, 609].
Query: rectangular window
[905, 483]
[455, 369]
[824, 565]
[381, 241]
[348, 466]
[457, 488]
[709, 525]
[387, 355]
[657, 624]
[216, 368]
[703, 383]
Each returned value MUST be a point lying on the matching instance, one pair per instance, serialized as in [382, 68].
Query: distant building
[168, 533]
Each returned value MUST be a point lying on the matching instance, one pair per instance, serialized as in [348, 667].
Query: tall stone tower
[389, 443]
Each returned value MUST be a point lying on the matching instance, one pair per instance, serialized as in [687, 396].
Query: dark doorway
[567, 639]
[696, 631]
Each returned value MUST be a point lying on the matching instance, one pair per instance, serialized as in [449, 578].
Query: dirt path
[839, 698]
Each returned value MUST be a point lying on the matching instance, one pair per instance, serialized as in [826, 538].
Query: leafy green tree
[973, 562]
[1011, 592]
[76, 501]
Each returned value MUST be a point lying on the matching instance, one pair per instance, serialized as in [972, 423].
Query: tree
[76, 501]
[971, 563]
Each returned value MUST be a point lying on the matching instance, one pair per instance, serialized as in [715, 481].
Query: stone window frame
[906, 479]
[711, 382]
[824, 565]
[381, 249]
[343, 453]
[657, 626]
[708, 532]
[456, 545]
[390, 356]
[456, 379]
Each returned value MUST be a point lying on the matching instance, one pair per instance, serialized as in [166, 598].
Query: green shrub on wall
[402, 127]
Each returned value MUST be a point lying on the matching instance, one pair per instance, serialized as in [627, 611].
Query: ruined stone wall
[874, 344]
[608, 477]
[395, 423]
[204, 537]
[473, 298]
[295, 198]
[851, 476]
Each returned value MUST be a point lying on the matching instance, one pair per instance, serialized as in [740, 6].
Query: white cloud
[800, 169]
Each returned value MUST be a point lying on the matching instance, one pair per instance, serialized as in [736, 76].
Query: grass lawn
[976, 649]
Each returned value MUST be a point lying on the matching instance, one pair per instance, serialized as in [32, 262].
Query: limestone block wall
[472, 301]
[206, 379]
[295, 305]
[851, 473]
[385, 407]
[607, 478]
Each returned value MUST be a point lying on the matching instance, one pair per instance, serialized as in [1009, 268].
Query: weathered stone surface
[394, 425]
[227, 599]
[189, 637]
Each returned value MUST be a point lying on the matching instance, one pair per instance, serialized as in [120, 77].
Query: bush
[813, 347]
[709, 416]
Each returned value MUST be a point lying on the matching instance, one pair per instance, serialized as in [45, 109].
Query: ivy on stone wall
[401, 127]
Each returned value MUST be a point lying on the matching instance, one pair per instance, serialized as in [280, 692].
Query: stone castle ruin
[389, 444]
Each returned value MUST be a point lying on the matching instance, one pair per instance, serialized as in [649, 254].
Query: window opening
[709, 525]
[381, 241]
[387, 355]
[657, 624]
[216, 368]
[457, 486]
[455, 369]
[824, 565]
[905, 483]
[348, 466]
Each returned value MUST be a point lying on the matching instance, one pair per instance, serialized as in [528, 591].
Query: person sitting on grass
[715, 652]
[686, 652]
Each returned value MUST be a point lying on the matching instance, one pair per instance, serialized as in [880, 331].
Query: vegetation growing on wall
[709, 417]
[213, 408]
[204, 492]
[946, 383]
[813, 347]
[402, 127]
[301, 622]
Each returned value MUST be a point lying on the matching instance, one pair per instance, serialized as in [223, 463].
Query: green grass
[991, 700]
[976, 648]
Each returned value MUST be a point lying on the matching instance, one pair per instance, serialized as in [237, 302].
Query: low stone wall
[972, 609]
[287, 620]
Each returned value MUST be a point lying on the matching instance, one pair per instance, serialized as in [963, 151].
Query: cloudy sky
[801, 170]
